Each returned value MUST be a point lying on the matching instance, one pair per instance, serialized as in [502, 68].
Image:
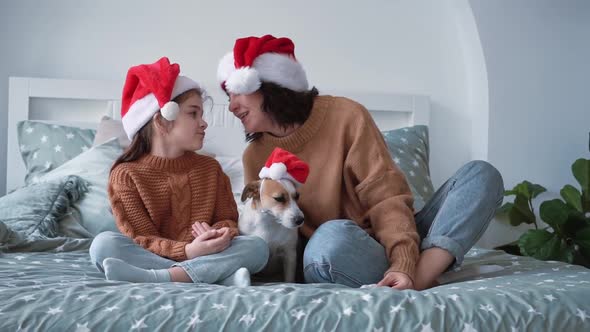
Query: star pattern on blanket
[247, 319]
[139, 324]
[297, 314]
[581, 314]
[82, 327]
[54, 311]
[426, 328]
[166, 307]
[80, 284]
[395, 309]
[195, 319]
[348, 311]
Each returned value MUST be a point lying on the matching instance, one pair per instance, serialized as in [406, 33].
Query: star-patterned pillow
[410, 151]
[45, 147]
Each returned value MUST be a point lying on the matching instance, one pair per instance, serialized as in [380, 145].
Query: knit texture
[352, 176]
[156, 200]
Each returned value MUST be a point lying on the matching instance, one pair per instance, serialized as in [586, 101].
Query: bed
[47, 282]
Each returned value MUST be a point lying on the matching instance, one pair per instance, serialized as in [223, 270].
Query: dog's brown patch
[252, 190]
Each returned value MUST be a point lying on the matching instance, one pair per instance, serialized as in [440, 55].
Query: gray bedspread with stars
[493, 291]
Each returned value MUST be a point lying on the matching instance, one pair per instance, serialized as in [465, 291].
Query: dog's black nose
[299, 221]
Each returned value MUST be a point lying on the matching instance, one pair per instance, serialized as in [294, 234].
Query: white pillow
[232, 167]
[93, 166]
[109, 128]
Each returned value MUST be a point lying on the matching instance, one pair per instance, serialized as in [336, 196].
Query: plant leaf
[583, 238]
[505, 208]
[567, 254]
[521, 212]
[536, 189]
[586, 202]
[575, 223]
[510, 192]
[554, 212]
[581, 171]
[540, 244]
[510, 248]
[528, 190]
[572, 196]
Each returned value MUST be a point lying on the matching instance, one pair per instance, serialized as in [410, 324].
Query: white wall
[504, 76]
[402, 46]
[537, 54]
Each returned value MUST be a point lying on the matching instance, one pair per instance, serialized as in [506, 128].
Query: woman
[359, 219]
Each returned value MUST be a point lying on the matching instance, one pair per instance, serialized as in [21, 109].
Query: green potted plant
[567, 236]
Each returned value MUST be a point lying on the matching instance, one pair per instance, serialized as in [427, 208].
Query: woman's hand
[210, 242]
[199, 228]
[397, 280]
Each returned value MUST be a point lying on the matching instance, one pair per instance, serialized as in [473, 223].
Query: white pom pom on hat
[277, 171]
[170, 110]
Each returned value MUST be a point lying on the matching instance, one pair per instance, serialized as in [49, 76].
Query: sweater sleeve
[134, 221]
[226, 211]
[384, 193]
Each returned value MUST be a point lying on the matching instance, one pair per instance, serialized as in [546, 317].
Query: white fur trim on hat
[139, 114]
[243, 81]
[270, 67]
[225, 67]
[277, 171]
[183, 84]
[281, 69]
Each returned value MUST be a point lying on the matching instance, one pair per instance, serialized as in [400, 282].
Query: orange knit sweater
[352, 176]
[156, 200]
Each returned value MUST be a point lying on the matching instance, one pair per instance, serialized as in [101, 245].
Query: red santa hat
[150, 88]
[283, 165]
[261, 59]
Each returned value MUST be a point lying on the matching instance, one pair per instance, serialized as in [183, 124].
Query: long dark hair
[142, 141]
[284, 106]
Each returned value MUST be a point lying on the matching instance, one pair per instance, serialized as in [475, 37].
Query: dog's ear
[252, 190]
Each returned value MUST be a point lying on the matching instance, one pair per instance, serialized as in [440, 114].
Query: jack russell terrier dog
[271, 211]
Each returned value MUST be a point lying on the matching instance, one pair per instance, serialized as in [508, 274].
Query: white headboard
[82, 103]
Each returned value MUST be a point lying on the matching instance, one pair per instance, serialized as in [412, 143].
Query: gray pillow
[410, 151]
[34, 211]
[93, 212]
[45, 147]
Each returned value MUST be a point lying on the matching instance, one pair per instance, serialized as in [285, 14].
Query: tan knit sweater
[352, 176]
[156, 200]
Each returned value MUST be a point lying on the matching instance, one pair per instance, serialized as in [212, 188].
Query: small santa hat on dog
[283, 165]
[149, 88]
[261, 59]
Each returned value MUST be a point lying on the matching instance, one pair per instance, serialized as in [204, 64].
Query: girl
[174, 208]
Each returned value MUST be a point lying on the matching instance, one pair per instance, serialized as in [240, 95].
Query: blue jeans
[245, 251]
[454, 219]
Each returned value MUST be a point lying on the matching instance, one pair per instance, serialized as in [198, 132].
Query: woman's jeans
[250, 252]
[454, 219]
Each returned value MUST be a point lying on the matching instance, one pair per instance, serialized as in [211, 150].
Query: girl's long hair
[142, 141]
